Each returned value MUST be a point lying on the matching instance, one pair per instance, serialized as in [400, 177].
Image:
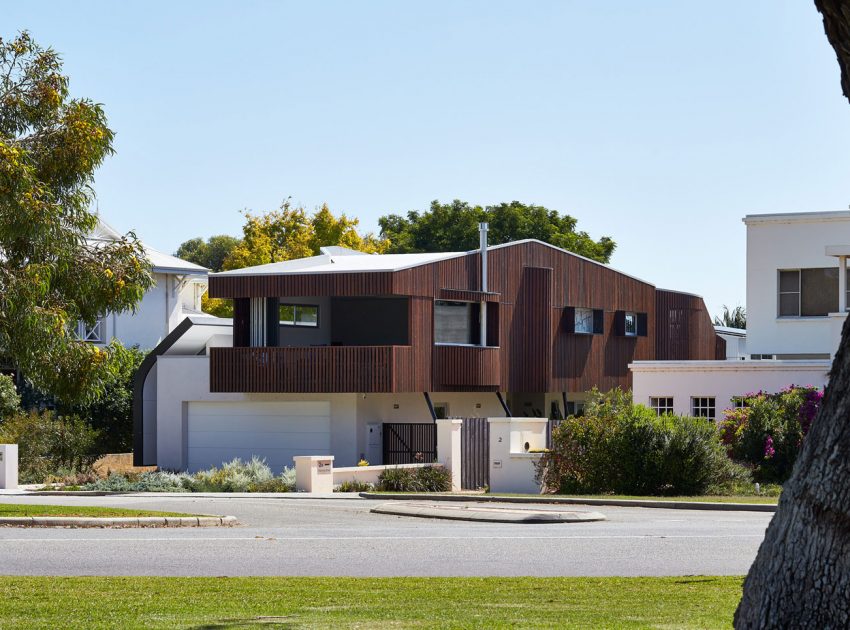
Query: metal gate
[475, 453]
[409, 443]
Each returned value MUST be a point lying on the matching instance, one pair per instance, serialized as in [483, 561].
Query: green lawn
[150, 602]
[16, 509]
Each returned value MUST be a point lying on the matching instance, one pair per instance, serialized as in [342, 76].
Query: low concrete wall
[368, 474]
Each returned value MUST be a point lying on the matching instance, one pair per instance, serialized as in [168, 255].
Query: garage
[276, 431]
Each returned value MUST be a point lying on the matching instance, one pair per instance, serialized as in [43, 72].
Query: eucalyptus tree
[51, 275]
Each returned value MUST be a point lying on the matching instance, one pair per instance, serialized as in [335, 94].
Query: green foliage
[354, 486]
[157, 481]
[422, 479]
[10, 401]
[48, 443]
[112, 413]
[210, 253]
[621, 448]
[732, 318]
[767, 433]
[454, 227]
[50, 276]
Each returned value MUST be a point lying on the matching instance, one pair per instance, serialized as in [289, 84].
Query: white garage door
[276, 431]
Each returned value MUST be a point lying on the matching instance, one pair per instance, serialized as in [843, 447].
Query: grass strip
[20, 509]
[157, 602]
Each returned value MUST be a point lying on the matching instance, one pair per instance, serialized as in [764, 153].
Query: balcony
[467, 366]
[320, 369]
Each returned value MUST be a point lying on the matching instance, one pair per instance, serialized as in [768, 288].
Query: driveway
[340, 537]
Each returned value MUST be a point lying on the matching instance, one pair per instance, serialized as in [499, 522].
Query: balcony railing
[320, 369]
[467, 366]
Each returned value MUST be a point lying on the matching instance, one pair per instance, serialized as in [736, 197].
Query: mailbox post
[314, 473]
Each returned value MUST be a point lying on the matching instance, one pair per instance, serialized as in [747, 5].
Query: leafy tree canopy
[291, 232]
[454, 227]
[50, 276]
[732, 318]
[210, 253]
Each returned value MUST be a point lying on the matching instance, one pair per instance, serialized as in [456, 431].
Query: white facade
[777, 242]
[179, 286]
[789, 345]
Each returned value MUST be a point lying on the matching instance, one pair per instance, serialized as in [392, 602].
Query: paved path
[341, 537]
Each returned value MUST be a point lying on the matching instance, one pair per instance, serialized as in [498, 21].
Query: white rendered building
[176, 294]
[796, 307]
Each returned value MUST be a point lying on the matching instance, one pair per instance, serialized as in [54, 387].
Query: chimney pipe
[482, 315]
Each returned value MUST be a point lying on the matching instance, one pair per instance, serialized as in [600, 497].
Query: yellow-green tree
[50, 276]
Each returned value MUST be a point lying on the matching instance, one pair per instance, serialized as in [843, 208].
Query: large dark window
[808, 292]
[456, 322]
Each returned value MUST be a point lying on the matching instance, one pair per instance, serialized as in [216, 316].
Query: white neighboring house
[796, 307]
[176, 294]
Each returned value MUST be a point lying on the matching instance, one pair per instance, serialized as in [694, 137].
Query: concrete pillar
[512, 465]
[314, 473]
[842, 284]
[448, 448]
[8, 466]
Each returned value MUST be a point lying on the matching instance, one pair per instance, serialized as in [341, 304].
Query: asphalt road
[340, 537]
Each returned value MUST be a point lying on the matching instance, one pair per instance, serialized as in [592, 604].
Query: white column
[258, 322]
[448, 448]
[842, 284]
[8, 466]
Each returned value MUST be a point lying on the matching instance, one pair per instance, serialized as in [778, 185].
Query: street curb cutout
[126, 521]
[643, 503]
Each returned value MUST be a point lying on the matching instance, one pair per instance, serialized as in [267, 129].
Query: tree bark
[801, 575]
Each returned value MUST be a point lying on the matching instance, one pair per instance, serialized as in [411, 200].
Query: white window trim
[672, 400]
[95, 334]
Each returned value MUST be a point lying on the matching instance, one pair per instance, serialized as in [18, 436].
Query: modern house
[796, 307]
[323, 351]
[177, 293]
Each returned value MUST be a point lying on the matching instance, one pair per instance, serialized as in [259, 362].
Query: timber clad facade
[534, 294]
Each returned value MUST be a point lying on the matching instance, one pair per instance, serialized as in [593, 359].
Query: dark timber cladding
[532, 289]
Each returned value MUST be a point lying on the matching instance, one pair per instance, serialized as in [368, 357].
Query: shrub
[49, 444]
[10, 402]
[618, 447]
[354, 486]
[158, 481]
[767, 433]
[424, 479]
[239, 476]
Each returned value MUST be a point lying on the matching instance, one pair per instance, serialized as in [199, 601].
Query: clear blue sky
[658, 123]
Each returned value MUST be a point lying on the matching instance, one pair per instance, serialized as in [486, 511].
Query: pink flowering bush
[767, 433]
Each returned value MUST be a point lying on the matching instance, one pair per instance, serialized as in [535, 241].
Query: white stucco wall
[722, 380]
[184, 379]
[777, 242]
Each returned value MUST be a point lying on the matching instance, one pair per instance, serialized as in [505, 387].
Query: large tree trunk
[801, 576]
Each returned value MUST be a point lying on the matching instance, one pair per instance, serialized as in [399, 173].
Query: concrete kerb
[194, 495]
[131, 521]
[485, 514]
[546, 499]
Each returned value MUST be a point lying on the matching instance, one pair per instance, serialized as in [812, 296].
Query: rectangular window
[299, 315]
[584, 321]
[631, 327]
[456, 322]
[739, 402]
[808, 292]
[441, 410]
[703, 407]
[96, 333]
[662, 405]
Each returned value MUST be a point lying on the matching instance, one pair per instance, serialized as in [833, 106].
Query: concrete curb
[485, 515]
[547, 499]
[194, 495]
[140, 521]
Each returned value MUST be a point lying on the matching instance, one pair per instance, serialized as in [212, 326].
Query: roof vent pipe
[482, 314]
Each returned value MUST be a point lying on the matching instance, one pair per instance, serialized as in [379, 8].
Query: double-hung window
[703, 407]
[662, 405]
[299, 315]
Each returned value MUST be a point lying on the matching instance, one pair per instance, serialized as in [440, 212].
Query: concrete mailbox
[8, 466]
[512, 464]
[314, 473]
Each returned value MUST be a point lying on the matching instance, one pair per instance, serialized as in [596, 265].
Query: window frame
[799, 293]
[95, 334]
[662, 410]
[294, 323]
[473, 331]
[634, 317]
[697, 409]
[589, 313]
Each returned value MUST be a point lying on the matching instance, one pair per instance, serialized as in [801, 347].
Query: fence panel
[475, 453]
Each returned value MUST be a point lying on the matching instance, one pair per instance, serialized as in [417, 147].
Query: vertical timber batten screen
[475, 453]
[409, 443]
